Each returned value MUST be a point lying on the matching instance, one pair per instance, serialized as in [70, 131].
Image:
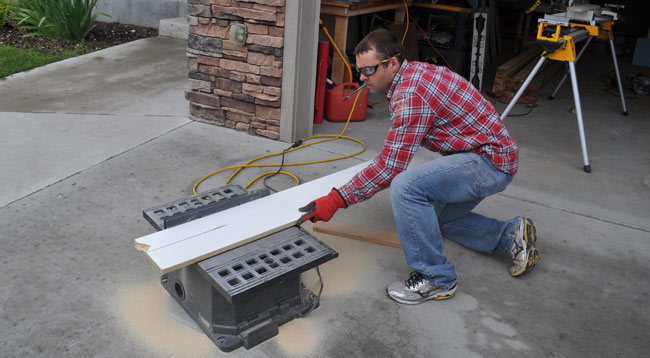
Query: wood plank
[583, 8]
[511, 67]
[343, 8]
[387, 5]
[342, 11]
[516, 80]
[516, 63]
[186, 244]
[548, 71]
[357, 232]
[341, 39]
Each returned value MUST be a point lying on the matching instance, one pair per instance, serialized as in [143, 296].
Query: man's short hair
[385, 44]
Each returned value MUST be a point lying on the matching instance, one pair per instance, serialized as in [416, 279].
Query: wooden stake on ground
[357, 232]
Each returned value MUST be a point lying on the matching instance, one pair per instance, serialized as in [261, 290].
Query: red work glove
[323, 208]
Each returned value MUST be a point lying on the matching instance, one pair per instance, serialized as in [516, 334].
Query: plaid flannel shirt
[436, 108]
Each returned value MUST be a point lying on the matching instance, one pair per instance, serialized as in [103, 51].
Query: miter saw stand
[558, 34]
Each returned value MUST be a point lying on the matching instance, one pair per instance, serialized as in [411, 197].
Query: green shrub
[7, 11]
[59, 19]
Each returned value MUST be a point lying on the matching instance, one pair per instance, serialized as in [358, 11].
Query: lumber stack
[512, 74]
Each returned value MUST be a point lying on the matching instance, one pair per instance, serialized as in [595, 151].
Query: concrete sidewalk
[60, 119]
[89, 142]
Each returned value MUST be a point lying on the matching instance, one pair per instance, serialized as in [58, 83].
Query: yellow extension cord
[336, 48]
[331, 137]
[407, 21]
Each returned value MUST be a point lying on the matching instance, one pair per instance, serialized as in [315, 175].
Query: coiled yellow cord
[347, 64]
[330, 137]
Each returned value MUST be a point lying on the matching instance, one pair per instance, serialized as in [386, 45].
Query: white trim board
[182, 245]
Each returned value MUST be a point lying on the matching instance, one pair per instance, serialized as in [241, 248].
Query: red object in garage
[337, 110]
[321, 77]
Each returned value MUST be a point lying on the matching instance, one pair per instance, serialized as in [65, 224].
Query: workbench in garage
[342, 11]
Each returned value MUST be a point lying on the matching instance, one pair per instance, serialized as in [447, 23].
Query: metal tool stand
[582, 50]
[241, 297]
[618, 74]
[563, 42]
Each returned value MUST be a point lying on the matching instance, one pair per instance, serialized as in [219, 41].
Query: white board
[182, 245]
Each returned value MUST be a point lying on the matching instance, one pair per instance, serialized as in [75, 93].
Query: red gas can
[337, 110]
[321, 77]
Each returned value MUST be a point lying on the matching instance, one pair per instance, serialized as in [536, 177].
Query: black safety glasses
[370, 70]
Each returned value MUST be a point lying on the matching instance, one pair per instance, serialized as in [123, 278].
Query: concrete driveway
[88, 143]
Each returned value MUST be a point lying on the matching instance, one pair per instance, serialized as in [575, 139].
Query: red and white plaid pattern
[433, 107]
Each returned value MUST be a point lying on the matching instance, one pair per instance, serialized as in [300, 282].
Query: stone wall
[235, 86]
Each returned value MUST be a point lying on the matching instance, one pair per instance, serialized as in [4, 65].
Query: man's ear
[394, 64]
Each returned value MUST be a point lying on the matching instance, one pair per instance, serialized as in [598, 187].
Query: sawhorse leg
[581, 129]
[576, 98]
[523, 87]
[566, 74]
[618, 74]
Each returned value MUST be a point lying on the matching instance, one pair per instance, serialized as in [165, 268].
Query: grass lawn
[14, 60]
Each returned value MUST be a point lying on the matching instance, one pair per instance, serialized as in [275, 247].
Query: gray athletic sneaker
[524, 254]
[417, 289]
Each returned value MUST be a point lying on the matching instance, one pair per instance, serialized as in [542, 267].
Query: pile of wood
[512, 74]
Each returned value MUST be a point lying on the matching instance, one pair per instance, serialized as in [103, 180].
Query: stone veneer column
[234, 86]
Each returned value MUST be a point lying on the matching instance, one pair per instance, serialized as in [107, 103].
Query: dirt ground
[103, 35]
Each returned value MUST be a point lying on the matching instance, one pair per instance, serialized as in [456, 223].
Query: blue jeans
[435, 199]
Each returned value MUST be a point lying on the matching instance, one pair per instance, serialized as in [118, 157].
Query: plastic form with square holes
[241, 297]
[193, 207]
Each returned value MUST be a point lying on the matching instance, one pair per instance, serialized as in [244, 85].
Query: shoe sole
[437, 297]
[530, 236]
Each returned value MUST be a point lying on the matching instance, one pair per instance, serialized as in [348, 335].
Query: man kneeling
[435, 108]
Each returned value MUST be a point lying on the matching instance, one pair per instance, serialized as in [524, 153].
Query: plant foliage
[7, 11]
[59, 19]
